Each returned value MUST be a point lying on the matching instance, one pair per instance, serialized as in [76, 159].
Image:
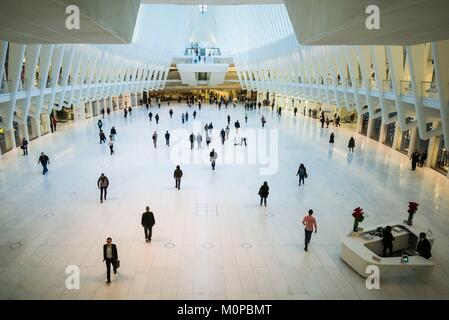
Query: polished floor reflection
[212, 240]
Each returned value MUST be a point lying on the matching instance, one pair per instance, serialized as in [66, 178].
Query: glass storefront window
[365, 120]
[389, 134]
[405, 144]
[442, 163]
[377, 124]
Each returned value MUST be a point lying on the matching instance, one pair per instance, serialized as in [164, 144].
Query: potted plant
[358, 215]
[412, 208]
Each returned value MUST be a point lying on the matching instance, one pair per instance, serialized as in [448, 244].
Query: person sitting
[423, 248]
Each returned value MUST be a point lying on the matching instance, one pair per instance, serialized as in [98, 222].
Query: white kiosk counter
[364, 248]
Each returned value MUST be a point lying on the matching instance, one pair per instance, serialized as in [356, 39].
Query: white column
[10, 140]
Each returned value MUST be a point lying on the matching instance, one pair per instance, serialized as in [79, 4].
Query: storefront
[2, 141]
[44, 124]
[65, 114]
[442, 160]
[377, 125]
[389, 134]
[406, 138]
[405, 141]
[365, 121]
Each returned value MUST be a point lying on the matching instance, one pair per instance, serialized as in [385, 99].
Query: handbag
[117, 264]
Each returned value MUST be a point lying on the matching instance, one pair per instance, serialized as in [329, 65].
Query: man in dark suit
[148, 222]
[110, 256]
[424, 248]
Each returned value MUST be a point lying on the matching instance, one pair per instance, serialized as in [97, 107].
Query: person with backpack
[302, 173]
[103, 184]
[99, 124]
[148, 223]
[178, 175]
[113, 133]
[264, 191]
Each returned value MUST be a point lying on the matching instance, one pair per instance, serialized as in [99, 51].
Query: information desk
[362, 249]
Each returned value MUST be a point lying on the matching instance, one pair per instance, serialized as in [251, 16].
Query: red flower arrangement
[358, 215]
[412, 208]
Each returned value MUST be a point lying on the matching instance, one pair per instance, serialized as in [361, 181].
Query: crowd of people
[110, 253]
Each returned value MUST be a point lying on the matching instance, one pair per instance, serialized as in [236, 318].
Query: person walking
[187, 116]
[208, 140]
[103, 184]
[102, 112]
[157, 118]
[424, 248]
[111, 144]
[229, 119]
[167, 139]
[227, 131]
[24, 146]
[327, 122]
[422, 159]
[415, 159]
[110, 256]
[125, 113]
[199, 140]
[211, 127]
[332, 139]
[99, 124]
[155, 139]
[148, 223]
[351, 144]
[302, 173]
[295, 111]
[54, 122]
[170, 113]
[150, 115]
[263, 121]
[213, 157]
[130, 110]
[113, 133]
[45, 161]
[387, 241]
[246, 118]
[223, 136]
[309, 223]
[237, 126]
[194, 115]
[182, 118]
[102, 137]
[178, 175]
[192, 140]
[264, 191]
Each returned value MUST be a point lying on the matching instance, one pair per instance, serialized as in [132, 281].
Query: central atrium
[224, 150]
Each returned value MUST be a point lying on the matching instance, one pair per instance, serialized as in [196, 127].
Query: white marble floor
[234, 249]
